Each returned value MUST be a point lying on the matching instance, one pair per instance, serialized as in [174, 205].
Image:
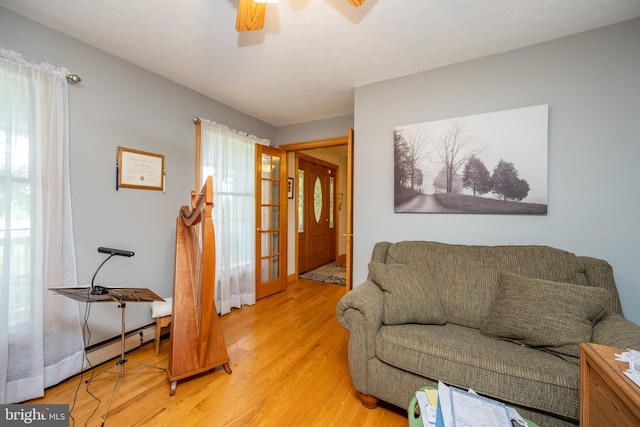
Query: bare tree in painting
[415, 156]
[455, 149]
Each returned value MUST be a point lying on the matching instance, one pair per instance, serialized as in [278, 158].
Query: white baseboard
[112, 348]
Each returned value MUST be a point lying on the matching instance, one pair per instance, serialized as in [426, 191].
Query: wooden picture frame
[140, 169]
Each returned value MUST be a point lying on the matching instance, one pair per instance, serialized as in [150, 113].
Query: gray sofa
[504, 320]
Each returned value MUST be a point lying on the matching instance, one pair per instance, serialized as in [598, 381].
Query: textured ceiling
[311, 54]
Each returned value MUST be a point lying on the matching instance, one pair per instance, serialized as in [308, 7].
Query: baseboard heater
[109, 349]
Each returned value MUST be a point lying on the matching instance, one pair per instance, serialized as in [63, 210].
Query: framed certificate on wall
[140, 169]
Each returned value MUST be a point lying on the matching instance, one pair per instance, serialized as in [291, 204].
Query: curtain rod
[263, 141]
[73, 78]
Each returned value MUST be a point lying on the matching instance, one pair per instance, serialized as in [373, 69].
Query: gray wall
[591, 83]
[311, 131]
[119, 104]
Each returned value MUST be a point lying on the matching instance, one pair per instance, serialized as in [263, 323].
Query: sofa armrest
[614, 330]
[600, 273]
[360, 312]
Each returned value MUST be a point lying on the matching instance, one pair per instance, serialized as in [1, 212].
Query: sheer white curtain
[229, 157]
[40, 333]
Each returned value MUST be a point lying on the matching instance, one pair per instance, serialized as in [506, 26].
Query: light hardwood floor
[289, 360]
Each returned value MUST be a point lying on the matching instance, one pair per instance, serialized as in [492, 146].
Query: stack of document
[453, 407]
[633, 358]
[428, 402]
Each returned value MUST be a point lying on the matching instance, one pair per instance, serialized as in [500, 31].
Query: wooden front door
[318, 235]
[271, 220]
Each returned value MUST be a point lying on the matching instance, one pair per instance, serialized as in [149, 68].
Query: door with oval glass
[317, 242]
[271, 203]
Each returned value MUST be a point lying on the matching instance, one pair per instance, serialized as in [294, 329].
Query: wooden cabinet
[607, 396]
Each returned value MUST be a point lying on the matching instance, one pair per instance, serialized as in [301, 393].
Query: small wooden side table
[607, 396]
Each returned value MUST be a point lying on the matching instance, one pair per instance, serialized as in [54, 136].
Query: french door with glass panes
[271, 206]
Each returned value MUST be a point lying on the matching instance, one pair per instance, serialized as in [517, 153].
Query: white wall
[118, 103]
[592, 85]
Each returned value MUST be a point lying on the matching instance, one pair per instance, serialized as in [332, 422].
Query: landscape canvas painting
[492, 163]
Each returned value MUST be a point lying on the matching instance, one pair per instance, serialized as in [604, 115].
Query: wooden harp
[197, 343]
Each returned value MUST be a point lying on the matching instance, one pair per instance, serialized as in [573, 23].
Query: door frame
[324, 143]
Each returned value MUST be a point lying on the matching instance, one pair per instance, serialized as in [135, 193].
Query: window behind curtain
[40, 334]
[229, 157]
[15, 210]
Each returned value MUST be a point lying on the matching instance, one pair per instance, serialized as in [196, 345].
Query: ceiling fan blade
[356, 3]
[250, 15]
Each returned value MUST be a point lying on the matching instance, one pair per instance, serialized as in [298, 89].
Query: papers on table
[453, 407]
[633, 358]
[633, 377]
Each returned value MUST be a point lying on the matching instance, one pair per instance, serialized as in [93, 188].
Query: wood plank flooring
[289, 360]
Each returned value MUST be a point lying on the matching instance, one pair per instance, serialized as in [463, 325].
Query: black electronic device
[112, 252]
[99, 290]
[120, 252]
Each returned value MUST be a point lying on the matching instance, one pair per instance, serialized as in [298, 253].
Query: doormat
[333, 272]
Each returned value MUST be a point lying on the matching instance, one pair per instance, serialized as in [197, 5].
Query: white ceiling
[311, 54]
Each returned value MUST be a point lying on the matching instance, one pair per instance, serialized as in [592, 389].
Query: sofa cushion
[464, 358]
[472, 272]
[409, 297]
[541, 313]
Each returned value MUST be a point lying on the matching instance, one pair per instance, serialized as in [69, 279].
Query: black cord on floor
[86, 337]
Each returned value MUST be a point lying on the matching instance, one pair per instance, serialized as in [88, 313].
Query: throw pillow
[540, 313]
[409, 296]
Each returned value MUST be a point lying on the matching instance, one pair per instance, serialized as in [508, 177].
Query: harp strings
[195, 261]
